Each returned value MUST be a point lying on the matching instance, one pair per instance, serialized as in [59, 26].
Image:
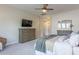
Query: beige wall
[10, 22]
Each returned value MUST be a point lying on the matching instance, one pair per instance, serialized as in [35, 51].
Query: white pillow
[74, 40]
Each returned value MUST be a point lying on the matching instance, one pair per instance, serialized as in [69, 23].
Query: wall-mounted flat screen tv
[26, 23]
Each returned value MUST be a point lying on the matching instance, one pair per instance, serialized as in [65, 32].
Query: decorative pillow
[74, 39]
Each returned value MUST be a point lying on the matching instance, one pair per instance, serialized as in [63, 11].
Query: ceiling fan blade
[50, 9]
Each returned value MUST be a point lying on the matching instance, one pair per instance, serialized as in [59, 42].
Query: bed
[58, 45]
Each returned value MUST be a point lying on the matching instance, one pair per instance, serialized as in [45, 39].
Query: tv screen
[26, 23]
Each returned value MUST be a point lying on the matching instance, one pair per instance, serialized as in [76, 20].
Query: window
[65, 24]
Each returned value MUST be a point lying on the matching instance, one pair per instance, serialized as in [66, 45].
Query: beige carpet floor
[19, 49]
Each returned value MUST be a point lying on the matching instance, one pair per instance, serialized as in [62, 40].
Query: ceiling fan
[44, 9]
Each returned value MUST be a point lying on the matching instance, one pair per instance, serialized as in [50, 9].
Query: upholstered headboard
[63, 32]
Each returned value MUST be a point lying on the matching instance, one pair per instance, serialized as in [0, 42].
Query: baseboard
[10, 43]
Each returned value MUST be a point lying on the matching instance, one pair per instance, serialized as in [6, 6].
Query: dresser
[26, 34]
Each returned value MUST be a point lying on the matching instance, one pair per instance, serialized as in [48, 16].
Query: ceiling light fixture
[44, 10]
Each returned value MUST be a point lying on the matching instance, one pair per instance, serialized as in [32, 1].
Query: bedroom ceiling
[57, 7]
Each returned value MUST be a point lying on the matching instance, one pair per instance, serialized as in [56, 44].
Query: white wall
[10, 22]
[69, 15]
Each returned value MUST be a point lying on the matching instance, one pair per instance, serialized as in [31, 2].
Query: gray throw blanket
[40, 45]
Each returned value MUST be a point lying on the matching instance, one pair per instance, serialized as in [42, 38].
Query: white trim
[14, 42]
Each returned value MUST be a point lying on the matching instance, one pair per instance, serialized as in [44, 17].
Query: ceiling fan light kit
[44, 9]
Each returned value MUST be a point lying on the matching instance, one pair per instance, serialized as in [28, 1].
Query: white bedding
[41, 53]
[58, 47]
[62, 48]
[55, 46]
[50, 43]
